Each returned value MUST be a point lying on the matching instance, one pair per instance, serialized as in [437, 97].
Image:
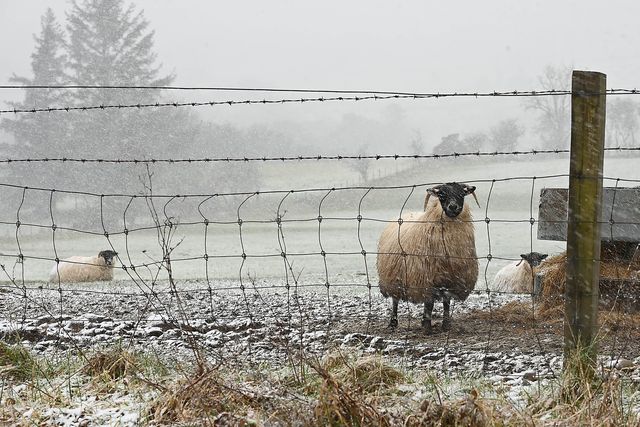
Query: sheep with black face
[518, 276]
[84, 269]
[431, 255]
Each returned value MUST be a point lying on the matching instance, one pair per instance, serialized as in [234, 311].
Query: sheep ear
[543, 256]
[523, 256]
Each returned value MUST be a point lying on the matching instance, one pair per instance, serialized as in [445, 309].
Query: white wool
[81, 269]
[515, 277]
[443, 255]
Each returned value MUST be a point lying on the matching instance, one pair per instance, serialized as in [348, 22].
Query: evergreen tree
[41, 134]
[505, 135]
[110, 44]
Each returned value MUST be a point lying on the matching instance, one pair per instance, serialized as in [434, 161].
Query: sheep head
[533, 258]
[451, 196]
[108, 256]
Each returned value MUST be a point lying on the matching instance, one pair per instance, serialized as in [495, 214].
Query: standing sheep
[84, 269]
[517, 277]
[430, 255]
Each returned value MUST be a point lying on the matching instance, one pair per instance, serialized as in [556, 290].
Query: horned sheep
[518, 276]
[84, 269]
[431, 255]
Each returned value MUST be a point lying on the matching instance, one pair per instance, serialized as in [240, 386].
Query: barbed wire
[355, 98]
[319, 157]
[542, 92]
[257, 89]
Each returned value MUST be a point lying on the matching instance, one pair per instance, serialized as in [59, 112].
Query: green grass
[17, 363]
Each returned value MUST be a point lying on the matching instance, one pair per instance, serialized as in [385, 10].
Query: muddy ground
[491, 334]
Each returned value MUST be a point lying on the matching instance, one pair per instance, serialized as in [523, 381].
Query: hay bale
[619, 276]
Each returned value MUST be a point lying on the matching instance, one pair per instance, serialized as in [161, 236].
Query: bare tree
[553, 121]
[417, 144]
[361, 165]
[622, 122]
[505, 135]
[453, 144]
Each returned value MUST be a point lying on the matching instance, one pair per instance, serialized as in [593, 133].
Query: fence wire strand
[367, 96]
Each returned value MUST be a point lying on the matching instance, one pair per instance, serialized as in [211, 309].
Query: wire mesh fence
[287, 275]
[260, 274]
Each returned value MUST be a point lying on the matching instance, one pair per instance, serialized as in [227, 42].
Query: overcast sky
[422, 46]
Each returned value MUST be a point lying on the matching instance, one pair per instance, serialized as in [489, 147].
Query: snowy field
[259, 311]
[508, 203]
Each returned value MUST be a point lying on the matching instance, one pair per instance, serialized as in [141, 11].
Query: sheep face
[451, 196]
[108, 256]
[533, 258]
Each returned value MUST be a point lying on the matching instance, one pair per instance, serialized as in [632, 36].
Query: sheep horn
[475, 198]
[426, 200]
[430, 191]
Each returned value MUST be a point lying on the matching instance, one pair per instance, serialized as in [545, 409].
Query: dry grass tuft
[513, 313]
[339, 404]
[112, 365]
[586, 399]
[346, 389]
[205, 397]
[468, 411]
[619, 279]
[615, 321]
[553, 281]
[366, 374]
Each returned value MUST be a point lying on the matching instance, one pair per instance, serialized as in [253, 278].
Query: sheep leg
[394, 313]
[446, 316]
[426, 317]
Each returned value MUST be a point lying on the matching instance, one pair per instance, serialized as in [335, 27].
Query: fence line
[164, 295]
[356, 98]
[292, 191]
[531, 152]
[207, 196]
[291, 304]
[127, 230]
[289, 90]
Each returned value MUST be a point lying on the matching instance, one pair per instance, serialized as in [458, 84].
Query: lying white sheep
[430, 255]
[518, 276]
[84, 269]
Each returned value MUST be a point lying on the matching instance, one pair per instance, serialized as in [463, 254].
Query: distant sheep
[430, 255]
[84, 269]
[517, 276]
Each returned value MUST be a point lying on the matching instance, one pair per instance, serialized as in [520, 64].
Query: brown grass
[515, 313]
[618, 279]
[112, 365]
[339, 404]
[350, 387]
[206, 397]
[468, 411]
[365, 374]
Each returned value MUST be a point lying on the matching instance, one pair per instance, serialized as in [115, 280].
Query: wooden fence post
[585, 201]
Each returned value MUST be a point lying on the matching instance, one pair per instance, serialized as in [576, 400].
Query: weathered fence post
[585, 200]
